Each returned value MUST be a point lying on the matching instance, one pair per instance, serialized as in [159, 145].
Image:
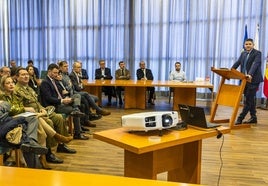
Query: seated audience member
[121, 74]
[56, 121]
[50, 95]
[177, 74]
[33, 81]
[17, 107]
[29, 146]
[76, 98]
[36, 71]
[146, 74]
[83, 74]
[13, 67]
[5, 71]
[87, 100]
[78, 87]
[105, 73]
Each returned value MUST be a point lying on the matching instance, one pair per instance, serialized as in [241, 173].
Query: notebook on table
[195, 116]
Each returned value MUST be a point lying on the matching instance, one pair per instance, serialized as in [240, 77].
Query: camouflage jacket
[28, 96]
[17, 106]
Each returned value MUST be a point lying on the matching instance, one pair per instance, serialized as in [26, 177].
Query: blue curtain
[199, 34]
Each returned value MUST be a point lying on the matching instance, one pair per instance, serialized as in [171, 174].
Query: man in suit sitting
[78, 87]
[121, 74]
[50, 95]
[68, 86]
[105, 73]
[146, 74]
[83, 74]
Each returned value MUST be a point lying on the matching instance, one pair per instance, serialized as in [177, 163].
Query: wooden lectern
[229, 95]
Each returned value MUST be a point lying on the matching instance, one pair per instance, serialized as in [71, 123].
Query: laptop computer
[195, 116]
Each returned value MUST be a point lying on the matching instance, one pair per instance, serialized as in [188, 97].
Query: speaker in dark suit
[250, 62]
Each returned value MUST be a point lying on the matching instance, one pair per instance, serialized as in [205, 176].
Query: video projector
[146, 121]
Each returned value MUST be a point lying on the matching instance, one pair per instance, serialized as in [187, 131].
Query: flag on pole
[256, 39]
[245, 35]
[265, 82]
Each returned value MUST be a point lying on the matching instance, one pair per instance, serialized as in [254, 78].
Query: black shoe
[251, 121]
[84, 128]
[52, 158]
[33, 147]
[93, 117]
[65, 149]
[80, 137]
[238, 121]
[77, 113]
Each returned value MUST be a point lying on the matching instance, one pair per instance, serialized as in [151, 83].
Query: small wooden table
[177, 152]
[135, 90]
[11, 176]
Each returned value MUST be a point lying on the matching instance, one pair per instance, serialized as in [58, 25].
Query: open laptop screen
[194, 116]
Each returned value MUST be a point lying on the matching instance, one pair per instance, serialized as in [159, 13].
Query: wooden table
[135, 90]
[11, 176]
[177, 152]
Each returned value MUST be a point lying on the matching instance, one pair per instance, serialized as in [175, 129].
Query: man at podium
[250, 63]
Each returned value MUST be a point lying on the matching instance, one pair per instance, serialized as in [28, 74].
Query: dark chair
[68, 122]
[43, 74]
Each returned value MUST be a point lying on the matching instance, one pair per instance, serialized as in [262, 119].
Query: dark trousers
[110, 92]
[249, 102]
[91, 99]
[118, 92]
[151, 93]
[85, 108]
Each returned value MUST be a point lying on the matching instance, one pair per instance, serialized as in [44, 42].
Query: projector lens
[166, 120]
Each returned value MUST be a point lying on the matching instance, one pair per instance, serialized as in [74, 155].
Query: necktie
[56, 88]
[144, 72]
[80, 84]
[245, 64]
[123, 72]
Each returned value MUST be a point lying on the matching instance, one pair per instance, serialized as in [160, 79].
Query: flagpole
[265, 106]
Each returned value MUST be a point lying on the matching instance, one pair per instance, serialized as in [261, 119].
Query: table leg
[190, 172]
[135, 97]
[185, 96]
[182, 162]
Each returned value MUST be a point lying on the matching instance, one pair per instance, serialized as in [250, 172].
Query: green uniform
[29, 99]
